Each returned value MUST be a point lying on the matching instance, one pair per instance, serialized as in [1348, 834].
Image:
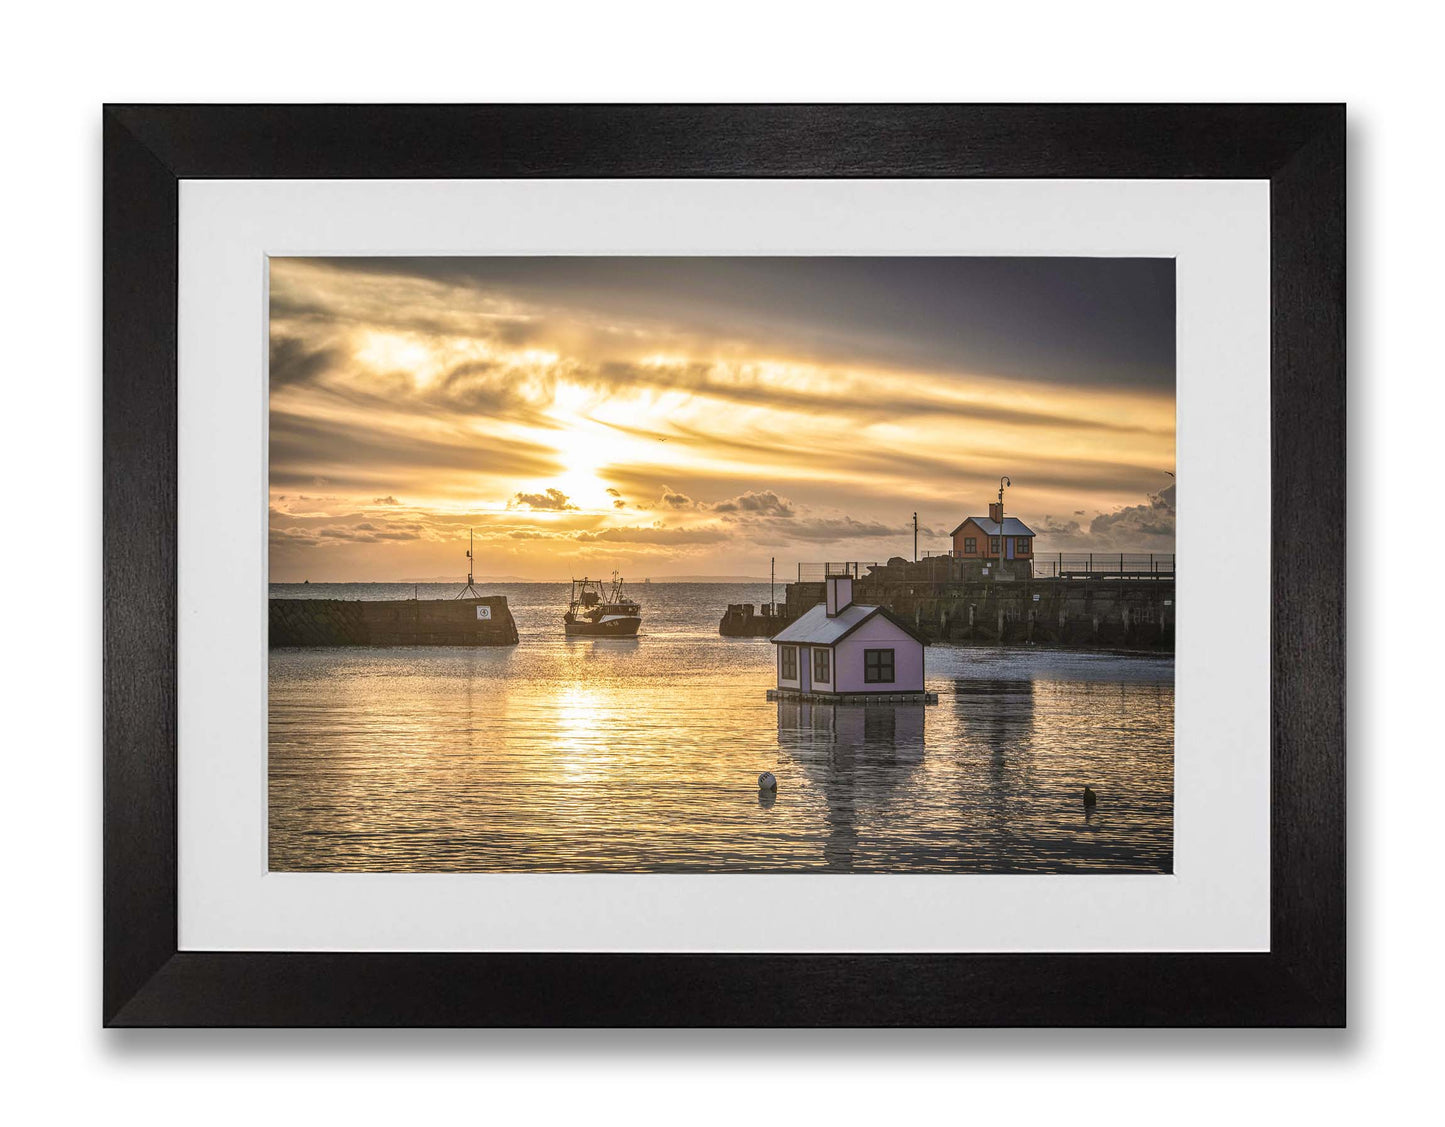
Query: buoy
[1090, 798]
[766, 781]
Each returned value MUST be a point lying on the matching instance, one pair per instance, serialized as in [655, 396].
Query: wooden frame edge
[148, 981]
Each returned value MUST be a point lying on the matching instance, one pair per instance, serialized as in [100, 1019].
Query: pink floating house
[845, 650]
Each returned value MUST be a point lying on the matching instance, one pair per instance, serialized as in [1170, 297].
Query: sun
[585, 451]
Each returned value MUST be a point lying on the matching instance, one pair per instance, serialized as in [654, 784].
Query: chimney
[995, 512]
[840, 593]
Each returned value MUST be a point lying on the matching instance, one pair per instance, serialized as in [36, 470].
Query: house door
[1008, 547]
[805, 669]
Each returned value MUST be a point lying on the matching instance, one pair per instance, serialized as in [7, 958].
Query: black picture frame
[1299, 149]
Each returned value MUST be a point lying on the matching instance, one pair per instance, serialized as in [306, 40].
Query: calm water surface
[642, 755]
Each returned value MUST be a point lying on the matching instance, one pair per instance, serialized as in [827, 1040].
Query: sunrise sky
[696, 416]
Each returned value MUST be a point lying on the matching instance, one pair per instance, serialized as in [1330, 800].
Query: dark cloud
[1138, 523]
[384, 311]
[1082, 474]
[749, 385]
[553, 500]
[292, 536]
[295, 362]
[476, 387]
[355, 454]
[759, 503]
[1107, 321]
[387, 500]
[843, 528]
[653, 534]
[1134, 528]
[675, 500]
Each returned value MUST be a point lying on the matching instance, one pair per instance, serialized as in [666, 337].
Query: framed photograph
[724, 565]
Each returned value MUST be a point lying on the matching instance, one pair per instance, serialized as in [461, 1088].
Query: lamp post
[1003, 481]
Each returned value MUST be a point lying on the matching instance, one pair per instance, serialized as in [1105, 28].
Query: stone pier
[950, 601]
[485, 621]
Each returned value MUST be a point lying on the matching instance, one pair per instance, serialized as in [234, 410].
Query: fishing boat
[599, 610]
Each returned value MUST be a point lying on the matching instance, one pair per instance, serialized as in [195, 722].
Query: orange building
[993, 537]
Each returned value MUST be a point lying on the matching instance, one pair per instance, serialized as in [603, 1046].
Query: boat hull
[619, 627]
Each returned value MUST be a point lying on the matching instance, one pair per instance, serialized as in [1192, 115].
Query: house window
[993, 545]
[970, 544]
[790, 662]
[878, 667]
[1021, 545]
[820, 664]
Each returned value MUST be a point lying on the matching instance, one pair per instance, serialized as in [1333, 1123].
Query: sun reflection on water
[642, 755]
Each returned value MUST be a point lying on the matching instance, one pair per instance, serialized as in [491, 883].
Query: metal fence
[818, 572]
[1106, 565]
[1085, 565]
[1046, 565]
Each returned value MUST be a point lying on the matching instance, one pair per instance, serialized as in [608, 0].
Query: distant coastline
[718, 579]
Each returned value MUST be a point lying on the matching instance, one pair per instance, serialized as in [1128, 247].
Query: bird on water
[1090, 798]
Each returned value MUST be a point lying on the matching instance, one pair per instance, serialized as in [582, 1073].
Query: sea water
[642, 755]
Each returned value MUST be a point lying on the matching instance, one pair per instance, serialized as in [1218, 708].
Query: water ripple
[642, 756]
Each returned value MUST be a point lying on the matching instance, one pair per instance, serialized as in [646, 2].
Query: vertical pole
[772, 577]
[915, 537]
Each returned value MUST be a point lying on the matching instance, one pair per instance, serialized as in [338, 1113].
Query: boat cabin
[844, 649]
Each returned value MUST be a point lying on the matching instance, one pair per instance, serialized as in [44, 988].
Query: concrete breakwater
[948, 602]
[741, 621]
[485, 621]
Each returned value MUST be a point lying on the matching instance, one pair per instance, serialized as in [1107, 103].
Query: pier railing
[1090, 565]
[1046, 565]
[1104, 565]
[818, 572]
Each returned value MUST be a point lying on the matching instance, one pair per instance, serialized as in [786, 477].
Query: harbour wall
[740, 620]
[485, 621]
[960, 605]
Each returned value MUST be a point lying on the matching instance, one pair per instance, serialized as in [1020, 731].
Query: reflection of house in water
[856, 754]
[998, 724]
[997, 712]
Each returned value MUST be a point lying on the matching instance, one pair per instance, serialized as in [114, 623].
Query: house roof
[1012, 526]
[815, 628]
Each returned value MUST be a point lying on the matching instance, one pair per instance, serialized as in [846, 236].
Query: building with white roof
[841, 649]
[994, 537]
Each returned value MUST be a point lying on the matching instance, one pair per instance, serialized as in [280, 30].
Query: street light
[1003, 481]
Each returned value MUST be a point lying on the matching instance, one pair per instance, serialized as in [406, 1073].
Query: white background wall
[61, 62]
